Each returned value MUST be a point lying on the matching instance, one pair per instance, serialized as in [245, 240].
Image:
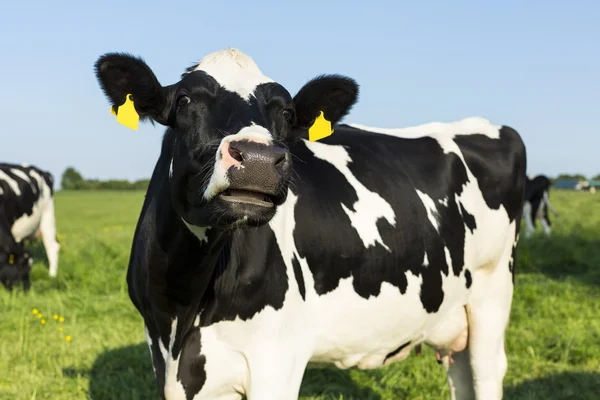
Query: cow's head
[14, 267]
[230, 129]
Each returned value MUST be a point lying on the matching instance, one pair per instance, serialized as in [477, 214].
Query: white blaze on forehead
[219, 180]
[234, 70]
[370, 207]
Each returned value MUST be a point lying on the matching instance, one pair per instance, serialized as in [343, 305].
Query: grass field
[553, 342]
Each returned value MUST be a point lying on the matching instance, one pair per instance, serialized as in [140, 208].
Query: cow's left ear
[120, 75]
[334, 95]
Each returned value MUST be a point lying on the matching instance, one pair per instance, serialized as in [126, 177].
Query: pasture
[553, 341]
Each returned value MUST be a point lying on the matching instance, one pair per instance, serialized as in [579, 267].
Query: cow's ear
[334, 95]
[121, 75]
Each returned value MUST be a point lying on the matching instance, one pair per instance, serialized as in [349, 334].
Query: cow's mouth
[248, 197]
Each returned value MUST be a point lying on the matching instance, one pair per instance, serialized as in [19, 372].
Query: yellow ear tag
[11, 259]
[126, 114]
[320, 129]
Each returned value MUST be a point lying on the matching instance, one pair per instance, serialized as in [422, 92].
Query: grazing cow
[260, 250]
[537, 204]
[26, 207]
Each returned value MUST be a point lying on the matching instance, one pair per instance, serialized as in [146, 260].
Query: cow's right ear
[122, 74]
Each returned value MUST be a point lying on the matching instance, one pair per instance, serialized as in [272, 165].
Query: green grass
[553, 341]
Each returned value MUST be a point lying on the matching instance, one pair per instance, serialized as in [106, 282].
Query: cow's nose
[256, 166]
[244, 153]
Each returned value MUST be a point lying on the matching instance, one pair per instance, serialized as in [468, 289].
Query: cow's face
[230, 127]
[14, 267]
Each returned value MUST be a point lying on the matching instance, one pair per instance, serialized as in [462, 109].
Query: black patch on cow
[398, 350]
[299, 277]
[468, 218]
[192, 373]
[252, 275]
[500, 185]
[332, 247]
[468, 278]
[512, 262]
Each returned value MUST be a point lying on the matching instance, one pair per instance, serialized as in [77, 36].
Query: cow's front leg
[276, 378]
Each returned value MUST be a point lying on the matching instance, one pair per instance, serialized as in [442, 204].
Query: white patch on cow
[173, 387]
[444, 201]
[467, 126]
[233, 70]
[149, 342]
[425, 260]
[198, 231]
[172, 158]
[448, 259]
[370, 207]
[26, 178]
[11, 182]
[219, 181]
[432, 213]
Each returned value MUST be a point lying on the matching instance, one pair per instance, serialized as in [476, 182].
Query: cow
[267, 244]
[537, 204]
[26, 208]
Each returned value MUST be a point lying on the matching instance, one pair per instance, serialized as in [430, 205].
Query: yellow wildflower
[43, 322]
[34, 311]
[60, 328]
[68, 338]
[39, 315]
[55, 316]
[62, 319]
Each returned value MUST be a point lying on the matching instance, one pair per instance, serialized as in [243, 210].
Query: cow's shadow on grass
[563, 386]
[561, 257]
[126, 374]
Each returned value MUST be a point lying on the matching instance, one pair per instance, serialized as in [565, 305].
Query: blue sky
[532, 65]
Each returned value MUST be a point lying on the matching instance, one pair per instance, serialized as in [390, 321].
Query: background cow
[537, 204]
[26, 207]
[258, 251]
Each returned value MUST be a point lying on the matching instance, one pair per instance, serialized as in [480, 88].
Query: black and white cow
[258, 251]
[26, 207]
[537, 204]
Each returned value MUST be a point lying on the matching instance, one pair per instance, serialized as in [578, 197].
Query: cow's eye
[183, 101]
[288, 114]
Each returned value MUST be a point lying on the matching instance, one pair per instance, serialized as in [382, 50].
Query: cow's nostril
[280, 161]
[235, 154]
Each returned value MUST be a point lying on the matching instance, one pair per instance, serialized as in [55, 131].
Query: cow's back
[25, 193]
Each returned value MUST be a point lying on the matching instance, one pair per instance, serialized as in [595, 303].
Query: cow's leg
[459, 375]
[527, 214]
[488, 313]
[26, 282]
[546, 222]
[279, 380]
[48, 228]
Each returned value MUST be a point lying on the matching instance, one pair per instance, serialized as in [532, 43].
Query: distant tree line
[73, 180]
[578, 177]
